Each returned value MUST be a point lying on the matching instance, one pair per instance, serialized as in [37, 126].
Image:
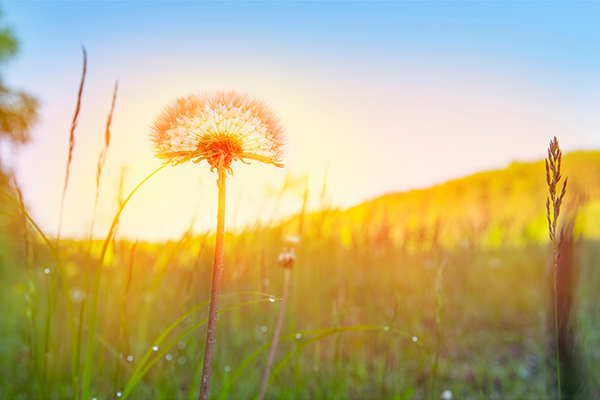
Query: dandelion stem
[211, 331]
[286, 284]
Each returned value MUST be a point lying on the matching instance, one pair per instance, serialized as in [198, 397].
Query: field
[377, 308]
[393, 229]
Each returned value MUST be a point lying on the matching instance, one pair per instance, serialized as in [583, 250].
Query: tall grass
[488, 338]
[553, 203]
[89, 350]
[71, 144]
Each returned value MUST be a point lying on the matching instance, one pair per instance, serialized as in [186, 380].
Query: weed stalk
[286, 260]
[553, 203]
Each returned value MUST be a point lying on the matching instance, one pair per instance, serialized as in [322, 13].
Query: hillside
[490, 208]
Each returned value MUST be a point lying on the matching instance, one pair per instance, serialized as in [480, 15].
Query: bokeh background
[413, 194]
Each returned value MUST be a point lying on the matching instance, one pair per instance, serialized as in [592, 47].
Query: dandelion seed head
[287, 257]
[218, 127]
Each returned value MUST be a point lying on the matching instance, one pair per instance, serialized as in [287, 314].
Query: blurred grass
[494, 324]
[351, 271]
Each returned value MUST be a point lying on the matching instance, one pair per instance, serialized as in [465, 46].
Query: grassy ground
[494, 340]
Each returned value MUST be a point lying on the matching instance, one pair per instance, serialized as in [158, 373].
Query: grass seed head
[553, 177]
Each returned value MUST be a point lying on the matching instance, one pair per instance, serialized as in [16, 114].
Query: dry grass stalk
[71, 144]
[553, 203]
[102, 158]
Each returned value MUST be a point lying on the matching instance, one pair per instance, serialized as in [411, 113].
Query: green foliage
[8, 44]
[347, 287]
[493, 337]
[18, 110]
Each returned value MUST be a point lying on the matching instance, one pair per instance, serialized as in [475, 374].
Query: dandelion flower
[218, 127]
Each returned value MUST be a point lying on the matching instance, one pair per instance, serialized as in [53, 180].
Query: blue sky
[378, 96]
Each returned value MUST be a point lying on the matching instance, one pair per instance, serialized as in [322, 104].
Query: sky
[376, 97]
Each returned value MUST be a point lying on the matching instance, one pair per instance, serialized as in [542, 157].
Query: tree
[18, 110]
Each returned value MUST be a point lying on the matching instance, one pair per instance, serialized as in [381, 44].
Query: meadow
[473, 288]
[406, 300]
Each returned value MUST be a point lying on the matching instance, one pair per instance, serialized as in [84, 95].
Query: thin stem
[93, 309]
[211, 330]
[286, 284]
[71, 145]
[556, 317]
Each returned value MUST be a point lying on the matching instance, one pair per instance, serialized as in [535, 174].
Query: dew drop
[130, 358]
[272, 299]
[265, 282]
[415, 339]
[227, 369]
[264, 329]
[118, 394]
[155, 348]
[315, 368]
[181, 360]
[387, 328]
[168, 357]
[181, 345]
[446, 395]
[298, 336]
[46, 271]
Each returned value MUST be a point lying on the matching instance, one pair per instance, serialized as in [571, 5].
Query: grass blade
[143, 368]
[61, 273]
[89, 351]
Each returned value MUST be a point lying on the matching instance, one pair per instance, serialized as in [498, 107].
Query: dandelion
[220, 128]
[287, 258]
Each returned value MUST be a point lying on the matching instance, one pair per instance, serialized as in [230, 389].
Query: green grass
[357, 273]
[495, 340]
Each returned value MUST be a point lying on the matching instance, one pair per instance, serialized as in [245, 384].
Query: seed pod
[287, 257]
